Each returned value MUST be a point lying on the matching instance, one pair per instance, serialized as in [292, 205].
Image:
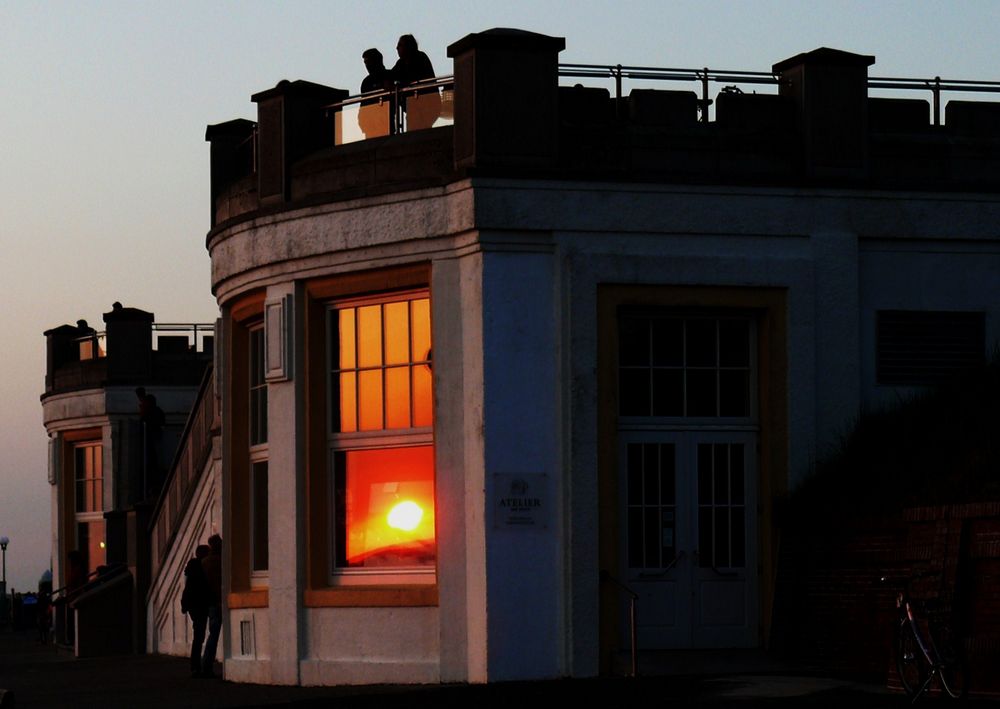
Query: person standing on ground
[194, 602]
[212, 565]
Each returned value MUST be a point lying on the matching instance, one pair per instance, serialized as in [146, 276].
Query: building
[478, 380]
[115, 406]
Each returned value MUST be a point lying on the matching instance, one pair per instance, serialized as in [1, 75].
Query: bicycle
[927, 649]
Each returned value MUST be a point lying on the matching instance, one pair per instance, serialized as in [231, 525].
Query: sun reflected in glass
[405, 515]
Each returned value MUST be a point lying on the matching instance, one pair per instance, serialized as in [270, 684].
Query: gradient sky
[104, 168]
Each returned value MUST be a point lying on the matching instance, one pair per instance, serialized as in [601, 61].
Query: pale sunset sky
[104, 168]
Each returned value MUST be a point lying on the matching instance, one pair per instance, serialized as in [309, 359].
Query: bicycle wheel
[953, 668]
[911, 664]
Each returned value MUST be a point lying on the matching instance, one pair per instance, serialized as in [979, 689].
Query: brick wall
[833, 611]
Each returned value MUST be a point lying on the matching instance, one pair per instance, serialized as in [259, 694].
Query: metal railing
[95, 344]
[633, 598]
[705, 77]
[185, 472]
[396, 110]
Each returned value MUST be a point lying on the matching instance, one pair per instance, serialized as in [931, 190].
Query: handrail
[189, 461]
[618, 72]
[90, 581]
[633, 598]
[394, 96]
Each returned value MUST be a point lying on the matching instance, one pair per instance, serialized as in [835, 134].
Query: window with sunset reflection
[381, 441]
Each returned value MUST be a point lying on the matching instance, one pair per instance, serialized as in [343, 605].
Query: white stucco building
[476, 378]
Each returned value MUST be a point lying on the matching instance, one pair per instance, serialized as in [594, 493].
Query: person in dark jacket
[423, 108]
[194, 602]
[212, 564]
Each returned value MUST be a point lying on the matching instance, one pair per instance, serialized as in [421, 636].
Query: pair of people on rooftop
[422, 108]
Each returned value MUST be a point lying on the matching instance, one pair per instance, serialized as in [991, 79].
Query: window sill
[256, 598]
[379, 597]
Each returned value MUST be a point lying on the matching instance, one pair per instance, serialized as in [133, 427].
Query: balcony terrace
[511, 110]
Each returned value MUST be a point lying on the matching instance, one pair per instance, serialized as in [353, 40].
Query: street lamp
[4, 541]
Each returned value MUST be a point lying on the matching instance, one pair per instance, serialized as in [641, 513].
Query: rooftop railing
[167, 337]
[705, 77]
[424, 104]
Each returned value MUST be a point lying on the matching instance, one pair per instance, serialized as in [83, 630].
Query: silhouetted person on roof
[194, 602]
[373, 115]
[413, 66]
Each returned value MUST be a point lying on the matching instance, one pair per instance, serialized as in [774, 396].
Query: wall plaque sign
[521, 501]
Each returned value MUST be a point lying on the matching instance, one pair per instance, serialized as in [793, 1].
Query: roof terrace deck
[504, 113]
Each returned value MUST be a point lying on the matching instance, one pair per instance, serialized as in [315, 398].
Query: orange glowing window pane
[346, 341]
[422, 395]
[386, 500]
[421, 335]
[348, 401]
[370, 400]
[370, 336]
[397, 333]
[397, 397]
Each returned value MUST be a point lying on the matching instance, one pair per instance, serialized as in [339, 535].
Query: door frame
[768, 306]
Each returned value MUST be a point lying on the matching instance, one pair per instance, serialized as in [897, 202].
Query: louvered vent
[926, 347]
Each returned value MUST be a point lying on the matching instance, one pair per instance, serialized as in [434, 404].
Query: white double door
[689, 537]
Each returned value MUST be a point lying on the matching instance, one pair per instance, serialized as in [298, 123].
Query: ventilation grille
[926, 347]
[246, 638]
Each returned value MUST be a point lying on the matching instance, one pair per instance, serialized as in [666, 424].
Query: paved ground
[39, 676]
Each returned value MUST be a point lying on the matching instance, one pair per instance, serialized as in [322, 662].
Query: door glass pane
[720, 474]
[721, 537]
[706, 558]
[651, 473]
[651, 533]
[668, 495]
[739, 537]
[736, 453]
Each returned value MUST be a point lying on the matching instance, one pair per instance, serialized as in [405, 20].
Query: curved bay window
[381, 439]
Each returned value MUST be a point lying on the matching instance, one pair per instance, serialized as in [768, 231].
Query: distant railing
[618, 73]
[185, 472]
[424, 104]
[194, 333]
[95, 345]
